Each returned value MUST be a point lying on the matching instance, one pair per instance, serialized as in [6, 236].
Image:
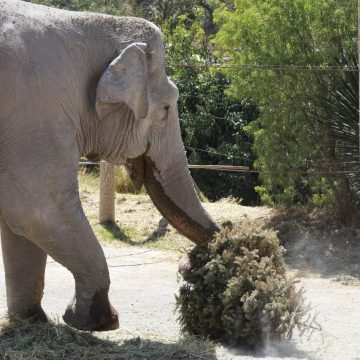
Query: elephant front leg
[90, 308]
[65, 234]
[24, 265]
[72, 243]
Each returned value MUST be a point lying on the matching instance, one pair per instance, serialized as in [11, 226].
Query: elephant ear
[125, 81]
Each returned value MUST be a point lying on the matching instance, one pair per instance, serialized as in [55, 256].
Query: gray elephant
[72, 85]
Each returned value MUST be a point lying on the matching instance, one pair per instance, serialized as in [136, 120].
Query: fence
[107, 185]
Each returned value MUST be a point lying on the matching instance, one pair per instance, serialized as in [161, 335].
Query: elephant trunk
[172, 192]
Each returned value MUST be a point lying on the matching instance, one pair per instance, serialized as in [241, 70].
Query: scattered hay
[236, 290]
[21, 340]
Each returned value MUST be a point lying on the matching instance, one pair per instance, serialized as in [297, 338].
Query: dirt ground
[144, 281]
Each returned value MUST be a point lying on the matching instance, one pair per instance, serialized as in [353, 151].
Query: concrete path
[143, 284]
[142, 290]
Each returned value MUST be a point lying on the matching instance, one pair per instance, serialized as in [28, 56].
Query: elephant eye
[164, 113]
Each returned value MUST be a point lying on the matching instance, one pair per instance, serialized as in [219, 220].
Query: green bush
[307, 131]
[236, 290]
[212, 123]
[113, 7]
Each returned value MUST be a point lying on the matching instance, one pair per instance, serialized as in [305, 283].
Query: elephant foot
[100, 317]
[38, 315]
[33, 314]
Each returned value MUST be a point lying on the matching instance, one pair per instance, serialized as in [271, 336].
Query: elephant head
[135, 91]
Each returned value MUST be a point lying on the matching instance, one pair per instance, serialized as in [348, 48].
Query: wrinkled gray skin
[72, 85]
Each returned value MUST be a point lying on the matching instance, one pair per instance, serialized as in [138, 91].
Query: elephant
[73, 85]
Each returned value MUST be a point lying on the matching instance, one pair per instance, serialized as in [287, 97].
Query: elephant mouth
[136, 170]
[171, 200]
[93, 157]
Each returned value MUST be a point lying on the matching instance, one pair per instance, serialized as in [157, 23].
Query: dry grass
[123, 184]
[20, 340]
[139, 223]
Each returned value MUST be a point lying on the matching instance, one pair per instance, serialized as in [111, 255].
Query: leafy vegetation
[113, 7]
[236, 290]
[308, 128]
[212, 123]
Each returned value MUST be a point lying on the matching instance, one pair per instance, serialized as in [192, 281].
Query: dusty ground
[144, 281]
[139, 223]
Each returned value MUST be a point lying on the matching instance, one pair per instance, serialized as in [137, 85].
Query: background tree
[113, 7]
[212, 123]
[307, 131]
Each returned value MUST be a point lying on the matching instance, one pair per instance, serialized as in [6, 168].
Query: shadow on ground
[20, 338]
[118, 234]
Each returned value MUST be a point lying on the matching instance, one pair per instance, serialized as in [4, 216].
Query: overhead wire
[266, 67]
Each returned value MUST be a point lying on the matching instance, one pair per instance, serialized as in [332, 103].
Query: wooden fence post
[107, 193]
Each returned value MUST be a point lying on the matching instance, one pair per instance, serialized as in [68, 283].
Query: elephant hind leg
[24, 265]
